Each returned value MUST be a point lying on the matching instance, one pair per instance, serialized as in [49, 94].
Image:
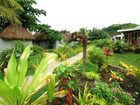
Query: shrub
[86, 98]
[37, 53]
[66, 76]
[67, 51]
[92, 76]
[96, 55]
[89, 67]
[103, 43]
[112, 93]
[118, 47]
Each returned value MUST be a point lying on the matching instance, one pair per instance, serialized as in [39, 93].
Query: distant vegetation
[114, 27]
[106, 31]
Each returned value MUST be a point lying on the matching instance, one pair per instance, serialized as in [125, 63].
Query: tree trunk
[84, 57]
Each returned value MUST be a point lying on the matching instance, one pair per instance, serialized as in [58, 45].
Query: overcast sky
[74, 14]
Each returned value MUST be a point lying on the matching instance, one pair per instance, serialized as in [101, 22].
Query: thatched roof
[14, 31]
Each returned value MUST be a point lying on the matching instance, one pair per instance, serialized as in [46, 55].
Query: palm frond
[8, 10]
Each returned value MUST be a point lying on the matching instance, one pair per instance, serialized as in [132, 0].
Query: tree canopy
[29, 19]
[8, 10]
[97, 34]
[114, 27]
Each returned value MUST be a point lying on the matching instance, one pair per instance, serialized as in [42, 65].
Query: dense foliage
[17, 89]
[112, 94]
[114, 27]
[8, 10]
[34, 59]
[67, 51]
[29, 19]
[97, 34]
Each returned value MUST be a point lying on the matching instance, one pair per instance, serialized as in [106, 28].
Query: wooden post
[84, 57]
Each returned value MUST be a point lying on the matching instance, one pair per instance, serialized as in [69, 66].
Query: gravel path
[69, 61]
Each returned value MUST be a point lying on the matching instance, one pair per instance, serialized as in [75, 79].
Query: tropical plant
[131, 70]
[8, 10]
[103, 43]
[17, 89]
[116, 76]
[67, 51]
[112, 93]
[87, 98]
[92, 75]
[66, 77]
[118, 47]
[37, 54]
[97, 56]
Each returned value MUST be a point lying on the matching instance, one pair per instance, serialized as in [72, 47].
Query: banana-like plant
[17, 88]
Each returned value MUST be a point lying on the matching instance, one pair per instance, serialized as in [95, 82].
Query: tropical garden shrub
[103, 43]
[92, 75]
[17, 89]
[99, 56]
[37, 53]
[89, 67]
[112, 93]
[121, 47]
[118, 47]
[66, 77]
[67, 51]
[86, 98]
[131, 70]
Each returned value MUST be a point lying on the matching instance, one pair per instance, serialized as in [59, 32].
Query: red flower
[107, 51]
[64, 80]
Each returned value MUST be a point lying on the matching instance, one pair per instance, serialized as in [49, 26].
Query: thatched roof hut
[16, 32]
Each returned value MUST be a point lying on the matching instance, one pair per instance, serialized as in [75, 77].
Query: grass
[129, 58]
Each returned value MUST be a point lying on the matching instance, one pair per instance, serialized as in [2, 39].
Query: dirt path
[69, 61]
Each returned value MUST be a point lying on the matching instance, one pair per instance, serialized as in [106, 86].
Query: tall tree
[29, 19]
[97, 34]
[83, 31]
[8, 10]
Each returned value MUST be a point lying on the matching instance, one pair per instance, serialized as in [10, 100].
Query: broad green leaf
[41, 69]
[3, 102]
[7, 94]
[37, 80]
[11, 75]
[51, 88]
[41, 100]
[23, 65]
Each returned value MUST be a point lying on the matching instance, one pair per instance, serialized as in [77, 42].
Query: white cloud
[74, 14]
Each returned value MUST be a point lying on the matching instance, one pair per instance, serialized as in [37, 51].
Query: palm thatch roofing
[16, 32]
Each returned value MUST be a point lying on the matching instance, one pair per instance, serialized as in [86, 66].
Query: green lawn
[129, 58]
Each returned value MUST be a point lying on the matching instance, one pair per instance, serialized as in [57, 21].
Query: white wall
[5, 44]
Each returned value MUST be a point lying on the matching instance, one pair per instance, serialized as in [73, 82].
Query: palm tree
[8, 10]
